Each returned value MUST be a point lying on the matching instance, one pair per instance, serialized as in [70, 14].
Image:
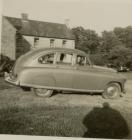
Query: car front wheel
[45, 93]
[112, 91]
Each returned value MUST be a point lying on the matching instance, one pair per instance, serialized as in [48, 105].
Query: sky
[98, 15]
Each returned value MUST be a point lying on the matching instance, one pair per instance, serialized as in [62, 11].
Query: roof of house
[41, 29]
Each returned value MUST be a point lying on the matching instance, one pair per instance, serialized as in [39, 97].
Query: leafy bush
[99, 59]
[5, 64]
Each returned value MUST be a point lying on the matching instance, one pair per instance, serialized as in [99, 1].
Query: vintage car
[61, 69]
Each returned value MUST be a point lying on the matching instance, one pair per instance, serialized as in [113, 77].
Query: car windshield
[82, 60]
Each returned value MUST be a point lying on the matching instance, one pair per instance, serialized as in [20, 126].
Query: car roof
[40, 50]
[34, 53]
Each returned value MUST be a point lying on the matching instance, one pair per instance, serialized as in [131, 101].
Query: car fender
[112, 80]
[29, 78]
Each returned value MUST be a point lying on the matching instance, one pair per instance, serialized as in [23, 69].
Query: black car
[122, 69]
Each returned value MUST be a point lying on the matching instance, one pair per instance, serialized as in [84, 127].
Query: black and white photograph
[66, 68]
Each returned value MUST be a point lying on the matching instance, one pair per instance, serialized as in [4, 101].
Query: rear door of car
[64, 72]
[41, 70]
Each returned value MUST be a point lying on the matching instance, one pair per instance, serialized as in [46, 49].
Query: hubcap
[41, 91]
[112, 91]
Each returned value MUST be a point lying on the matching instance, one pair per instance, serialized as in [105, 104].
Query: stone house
[19, 35]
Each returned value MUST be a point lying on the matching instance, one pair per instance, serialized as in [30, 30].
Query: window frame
[87, 62]
[36, 41]
[64, 42]
[70, 53]
[54, 53]
[52, 42]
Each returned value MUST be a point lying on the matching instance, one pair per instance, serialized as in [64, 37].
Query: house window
[36, 41]
[64, 43]
[52, 42]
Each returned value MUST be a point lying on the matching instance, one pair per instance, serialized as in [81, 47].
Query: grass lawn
[23, 113]
[99, 122]
[45, 121]
[3, 84]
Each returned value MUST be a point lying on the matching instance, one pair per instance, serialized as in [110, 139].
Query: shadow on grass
[105, 122]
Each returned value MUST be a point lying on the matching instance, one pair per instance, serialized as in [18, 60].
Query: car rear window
[47, 59]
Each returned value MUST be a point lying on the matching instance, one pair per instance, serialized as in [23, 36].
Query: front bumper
[11, 81]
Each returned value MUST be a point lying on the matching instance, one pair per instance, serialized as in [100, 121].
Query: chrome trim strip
[59, 88]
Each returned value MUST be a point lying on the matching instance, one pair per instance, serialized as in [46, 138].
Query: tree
[86, 40]
[120, 55]
[109, 40]
[112, 47]
[124, 35]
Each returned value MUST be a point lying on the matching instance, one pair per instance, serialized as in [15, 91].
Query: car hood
[104, 69]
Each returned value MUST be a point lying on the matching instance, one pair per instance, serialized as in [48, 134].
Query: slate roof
[41, 29]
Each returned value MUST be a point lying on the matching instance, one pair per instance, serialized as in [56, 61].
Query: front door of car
[64, 71]
[85, 78]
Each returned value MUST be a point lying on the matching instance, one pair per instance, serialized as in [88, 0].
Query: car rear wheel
[112, 91]
[41, 92]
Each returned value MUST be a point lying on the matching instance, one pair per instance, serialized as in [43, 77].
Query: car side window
[46, 59]
[64, 58]
[82, 60]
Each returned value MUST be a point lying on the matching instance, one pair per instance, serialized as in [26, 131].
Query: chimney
[67, 22]
[24, 17]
